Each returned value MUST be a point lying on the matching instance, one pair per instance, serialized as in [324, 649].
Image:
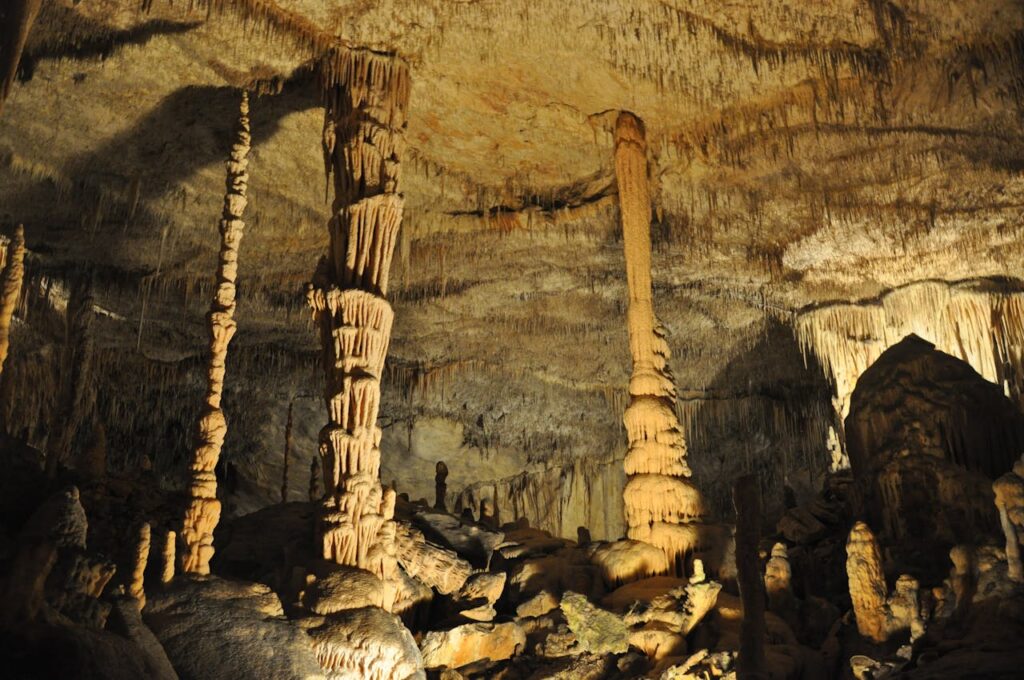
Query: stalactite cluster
[363, 140]
[980, 322]
[661, 504]
[203, 511]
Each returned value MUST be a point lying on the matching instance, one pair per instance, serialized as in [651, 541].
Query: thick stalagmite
[203, 511]
[10, 290]
[661, 504]
[363, 140]
[867, 582]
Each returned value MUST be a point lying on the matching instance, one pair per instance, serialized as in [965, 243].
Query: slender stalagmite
[662, 506]
[76, 400]
[287, 454]
[747, 500]
[136, 588]
[440, 485]
[10, 290]
[363, 139]
[203, 510]
[167, 568]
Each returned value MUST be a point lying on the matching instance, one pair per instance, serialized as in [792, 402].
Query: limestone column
[662, 506]
[364, 137]
[203, 511]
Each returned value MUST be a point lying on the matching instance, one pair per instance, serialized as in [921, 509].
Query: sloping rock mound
[212, 628]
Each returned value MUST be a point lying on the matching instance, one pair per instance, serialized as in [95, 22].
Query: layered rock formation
[203, 511]
[363, 138]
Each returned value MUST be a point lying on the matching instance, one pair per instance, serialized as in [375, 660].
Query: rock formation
[167, 557]
[747, 499]
[203, 511]
[363, 138]
[440, 485]
[18, 17]
[75, 396]
[1009, 493]
[661, 504]
[10, 290]
[136, 587]
[287, 453]
[867, 582]
[431, 564]
[879, 615]
[926, 435]
[970, 320]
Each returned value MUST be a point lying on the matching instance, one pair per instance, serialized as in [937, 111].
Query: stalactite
[10, 290]
[975, 321]
[18, 17]
[747, 499]
[661, 504]
[203, 511]
[364, 138]
[136, 587]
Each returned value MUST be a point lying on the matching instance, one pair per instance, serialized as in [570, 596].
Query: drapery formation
[662, 506]
[203, 511]
[364, 136]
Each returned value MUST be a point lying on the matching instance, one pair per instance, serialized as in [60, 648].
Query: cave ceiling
[800, 152]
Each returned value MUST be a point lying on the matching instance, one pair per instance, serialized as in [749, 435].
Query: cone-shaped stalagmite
[364, 135]
[10, 290]
[866, 581]
[203, 511]
[661, 505]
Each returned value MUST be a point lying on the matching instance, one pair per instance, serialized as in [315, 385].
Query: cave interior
[513, 339]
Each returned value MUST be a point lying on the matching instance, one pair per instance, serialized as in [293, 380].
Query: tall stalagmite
[364, 136]
[203, 511]
[10, 290]
[661, 505]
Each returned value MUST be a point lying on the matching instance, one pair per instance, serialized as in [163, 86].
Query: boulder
[470, 643]
[214, 628]
[473, 542]
[366, 644]
[598, 631]
[344, 588]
